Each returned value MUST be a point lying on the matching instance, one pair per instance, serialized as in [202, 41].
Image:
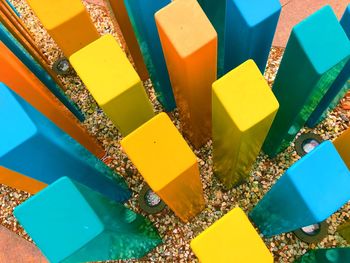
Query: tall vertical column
[33, 146]
[342, 143]
[239, 130]
[338, 89]
[189, 43]
[317, 51]
[249, 30]
[309, 192]
[141, 14]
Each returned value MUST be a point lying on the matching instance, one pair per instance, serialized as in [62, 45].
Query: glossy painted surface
[34, 146]
[317, 51]
[189, 43]
[342, 143]
[84, 226]
[239, 129]
[167, 164]
[309, 192]
[113, 83]
[231, 239]
[329, 255]
[344, 230]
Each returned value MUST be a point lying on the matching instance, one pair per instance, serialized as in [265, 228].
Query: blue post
[141, 15]
[249, 30]
[339, 87]
[311, 190]
[13, 8]
[32, 145]
[11, 42]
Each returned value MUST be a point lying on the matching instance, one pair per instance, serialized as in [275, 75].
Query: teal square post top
[249, 30]
[311, 190]
[339, 87]
[11, 42]
[328, 255]
[70, 222]
[141, 15]
[32, 145]
[317, 51]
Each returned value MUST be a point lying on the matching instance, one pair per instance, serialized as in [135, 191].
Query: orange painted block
[189, 43]
[21, 80]
[342, 143]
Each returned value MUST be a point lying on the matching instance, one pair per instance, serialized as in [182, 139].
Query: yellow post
[342, 143]
[168, 165]
[114, 83]
[189, 43]
[243, 110]
[67, 22]
[231, 239]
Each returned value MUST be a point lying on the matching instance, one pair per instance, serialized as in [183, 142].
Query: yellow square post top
[243, 109]
[342, 144]
[231, 239]
[168, 165]
[189, 43]
[114, 83]
[67, 21]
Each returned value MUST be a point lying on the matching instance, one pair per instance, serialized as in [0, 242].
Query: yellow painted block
[231, 239]
[342, 143]
[243, 110]
[189, 43]
[168, 165]
[114, 83]
[67, 22]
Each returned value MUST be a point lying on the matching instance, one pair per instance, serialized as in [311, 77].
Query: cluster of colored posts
[206, 58]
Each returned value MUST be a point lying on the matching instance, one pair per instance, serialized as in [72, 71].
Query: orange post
[189, 43]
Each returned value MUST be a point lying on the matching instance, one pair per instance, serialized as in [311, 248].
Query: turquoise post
[339, 87]
[141, 15]
[13, 8]
[311, 190]
[317, 51]
[32, 145]
[71, 223]
[249, 30]
[329, 255]
[11, 42]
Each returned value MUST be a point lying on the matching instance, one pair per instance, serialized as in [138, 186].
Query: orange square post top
[189, 43]
[168, 165]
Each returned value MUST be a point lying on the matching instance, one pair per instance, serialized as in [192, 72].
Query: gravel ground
[177, 235]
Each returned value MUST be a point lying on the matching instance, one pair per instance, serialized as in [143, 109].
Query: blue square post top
[249, 30]
[311, 190]
[32, 145]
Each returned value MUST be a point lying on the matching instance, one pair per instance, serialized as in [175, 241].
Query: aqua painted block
[70, 222]
[141, 14]
[10, 41]
[311, 190]
[329, 255]
[33, 146]
[249, 30]
[317, 51]
[339, 87]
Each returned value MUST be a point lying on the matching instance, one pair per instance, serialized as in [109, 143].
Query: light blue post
[13, 8]
[249, 31]
[141, 15]
[311, 190]
[71, 223]
[339, 87]
[32, 145]
[11, 42]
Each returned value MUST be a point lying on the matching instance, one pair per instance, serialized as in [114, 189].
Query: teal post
[317, 51]
[326, 255]
[71, 223]
[13, 8]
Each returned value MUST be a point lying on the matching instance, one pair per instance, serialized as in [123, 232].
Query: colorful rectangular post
[317, 51]
[35, 147]
[239, 129]
[70, 222]
[342, 143]
[309, 192]
[249, 30]
[189, 43]
[168, 165]
[67, 22]
[324, 255]
[113, 83]
[141, 14]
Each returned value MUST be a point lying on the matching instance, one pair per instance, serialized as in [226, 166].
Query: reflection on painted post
[317, 51]
[326, 255]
